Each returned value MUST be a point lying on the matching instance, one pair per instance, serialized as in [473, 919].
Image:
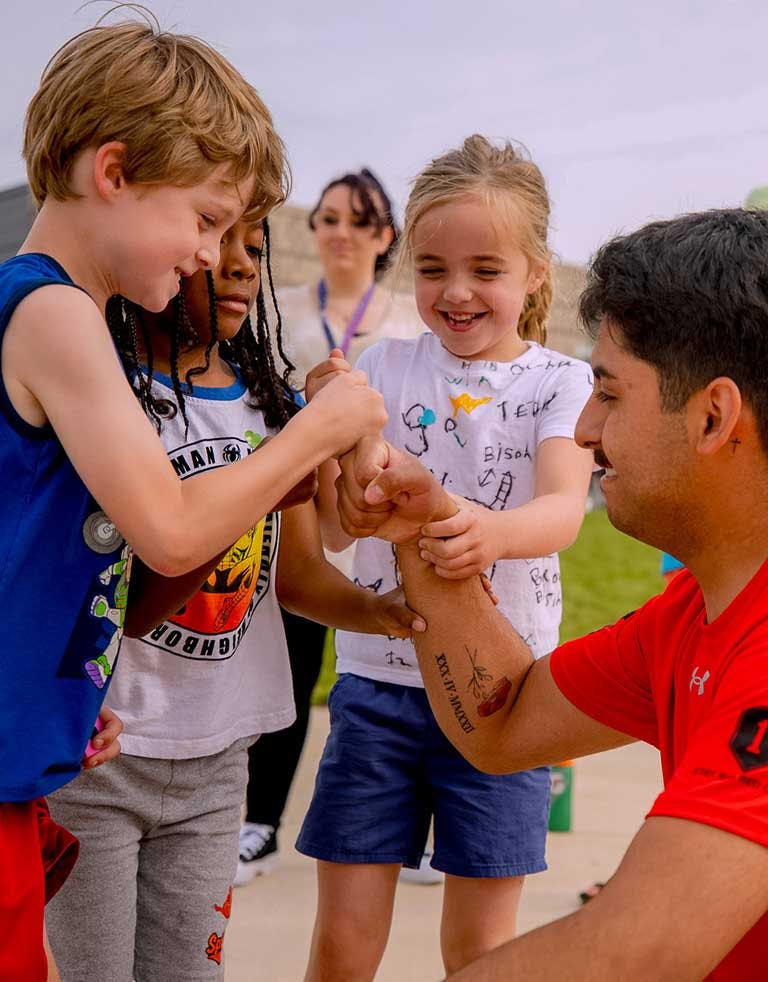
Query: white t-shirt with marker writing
[477, 426]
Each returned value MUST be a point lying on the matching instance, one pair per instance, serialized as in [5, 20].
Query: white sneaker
[426, 875]
[258, 852]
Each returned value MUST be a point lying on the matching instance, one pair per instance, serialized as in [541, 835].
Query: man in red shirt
[679, 421]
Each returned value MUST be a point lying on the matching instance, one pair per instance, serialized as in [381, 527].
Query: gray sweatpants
[149, 898]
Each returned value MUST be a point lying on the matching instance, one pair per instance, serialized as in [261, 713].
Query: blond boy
[142, 147]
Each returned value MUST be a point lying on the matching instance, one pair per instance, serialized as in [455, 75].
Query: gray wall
[16, 215]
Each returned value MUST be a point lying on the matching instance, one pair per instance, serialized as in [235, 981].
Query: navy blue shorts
[387, 770]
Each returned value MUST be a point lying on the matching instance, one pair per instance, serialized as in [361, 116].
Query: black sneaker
[258, 852]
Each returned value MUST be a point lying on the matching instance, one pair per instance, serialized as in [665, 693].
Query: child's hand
[347, 409]
[395, 617]
[106, 739]
[461, 546]
[319, 376]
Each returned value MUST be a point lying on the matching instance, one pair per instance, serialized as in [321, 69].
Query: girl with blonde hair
[491, 411]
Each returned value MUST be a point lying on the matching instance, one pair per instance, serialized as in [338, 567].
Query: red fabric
[36, 856]
[698, 692]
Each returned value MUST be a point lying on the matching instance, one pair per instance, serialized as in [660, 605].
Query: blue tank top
[63, 587]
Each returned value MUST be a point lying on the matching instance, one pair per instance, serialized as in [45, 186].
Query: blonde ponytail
[533, 320]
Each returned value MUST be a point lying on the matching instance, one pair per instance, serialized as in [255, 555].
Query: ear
[108, 169]
[386, 235]
[536, 276]
[714, 416]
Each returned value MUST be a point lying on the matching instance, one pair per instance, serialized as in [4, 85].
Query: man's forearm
[472, 660]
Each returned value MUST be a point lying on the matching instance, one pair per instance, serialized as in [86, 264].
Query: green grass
[605, 574]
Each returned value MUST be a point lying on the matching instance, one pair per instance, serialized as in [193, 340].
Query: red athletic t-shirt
[698, 692]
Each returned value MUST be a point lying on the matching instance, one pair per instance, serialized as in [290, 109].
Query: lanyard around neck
[354, 323]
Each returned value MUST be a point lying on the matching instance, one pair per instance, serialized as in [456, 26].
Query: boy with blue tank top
[142, 147]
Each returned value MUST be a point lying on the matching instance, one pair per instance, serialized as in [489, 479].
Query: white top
[477, 425]
[392, 315]
[218, 670]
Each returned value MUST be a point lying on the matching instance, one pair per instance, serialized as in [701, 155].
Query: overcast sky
[633, 110]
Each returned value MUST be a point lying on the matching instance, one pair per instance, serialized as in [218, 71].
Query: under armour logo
[699, 680]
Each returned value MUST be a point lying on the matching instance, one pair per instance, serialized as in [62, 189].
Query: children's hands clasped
[348, 407]
[463, 545]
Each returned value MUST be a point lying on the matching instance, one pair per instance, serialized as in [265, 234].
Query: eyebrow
[599, 371]
[484, 257]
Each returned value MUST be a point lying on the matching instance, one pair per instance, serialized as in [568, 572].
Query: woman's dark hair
[689, 296]
[362, 187]
[250, 350]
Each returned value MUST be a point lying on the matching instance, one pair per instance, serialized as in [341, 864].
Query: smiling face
[649, 478]
[236, 281]
[472, 281]
[345, 244]
[167, 232]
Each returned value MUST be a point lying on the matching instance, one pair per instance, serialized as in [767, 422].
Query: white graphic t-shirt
[218, 669]
[477, 426]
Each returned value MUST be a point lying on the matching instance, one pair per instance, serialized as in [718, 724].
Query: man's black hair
[690, 297]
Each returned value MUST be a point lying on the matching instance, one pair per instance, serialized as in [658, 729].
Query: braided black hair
[250, 350]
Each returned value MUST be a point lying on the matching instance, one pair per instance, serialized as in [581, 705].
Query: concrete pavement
[268, 936]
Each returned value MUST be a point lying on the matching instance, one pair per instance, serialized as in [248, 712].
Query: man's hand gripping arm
[500, 709]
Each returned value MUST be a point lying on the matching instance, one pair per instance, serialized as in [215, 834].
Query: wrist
[369, 613]
[315, 440]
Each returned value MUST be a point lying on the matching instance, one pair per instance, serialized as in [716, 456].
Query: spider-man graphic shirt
[217, 670]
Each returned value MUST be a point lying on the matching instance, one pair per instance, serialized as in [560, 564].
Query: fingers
[351, 492]
[106, 740]
[313, 385]
[456, 525]
[406, 477]
[460, 573]
[335, 364]
[463, 560]
[357, 522]
[488, 587]
[404, 621]
[111, 727]
[325, 372]
[109, 753]
[418, 624]
[358, 377]
[444, 551]
[370, 457]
